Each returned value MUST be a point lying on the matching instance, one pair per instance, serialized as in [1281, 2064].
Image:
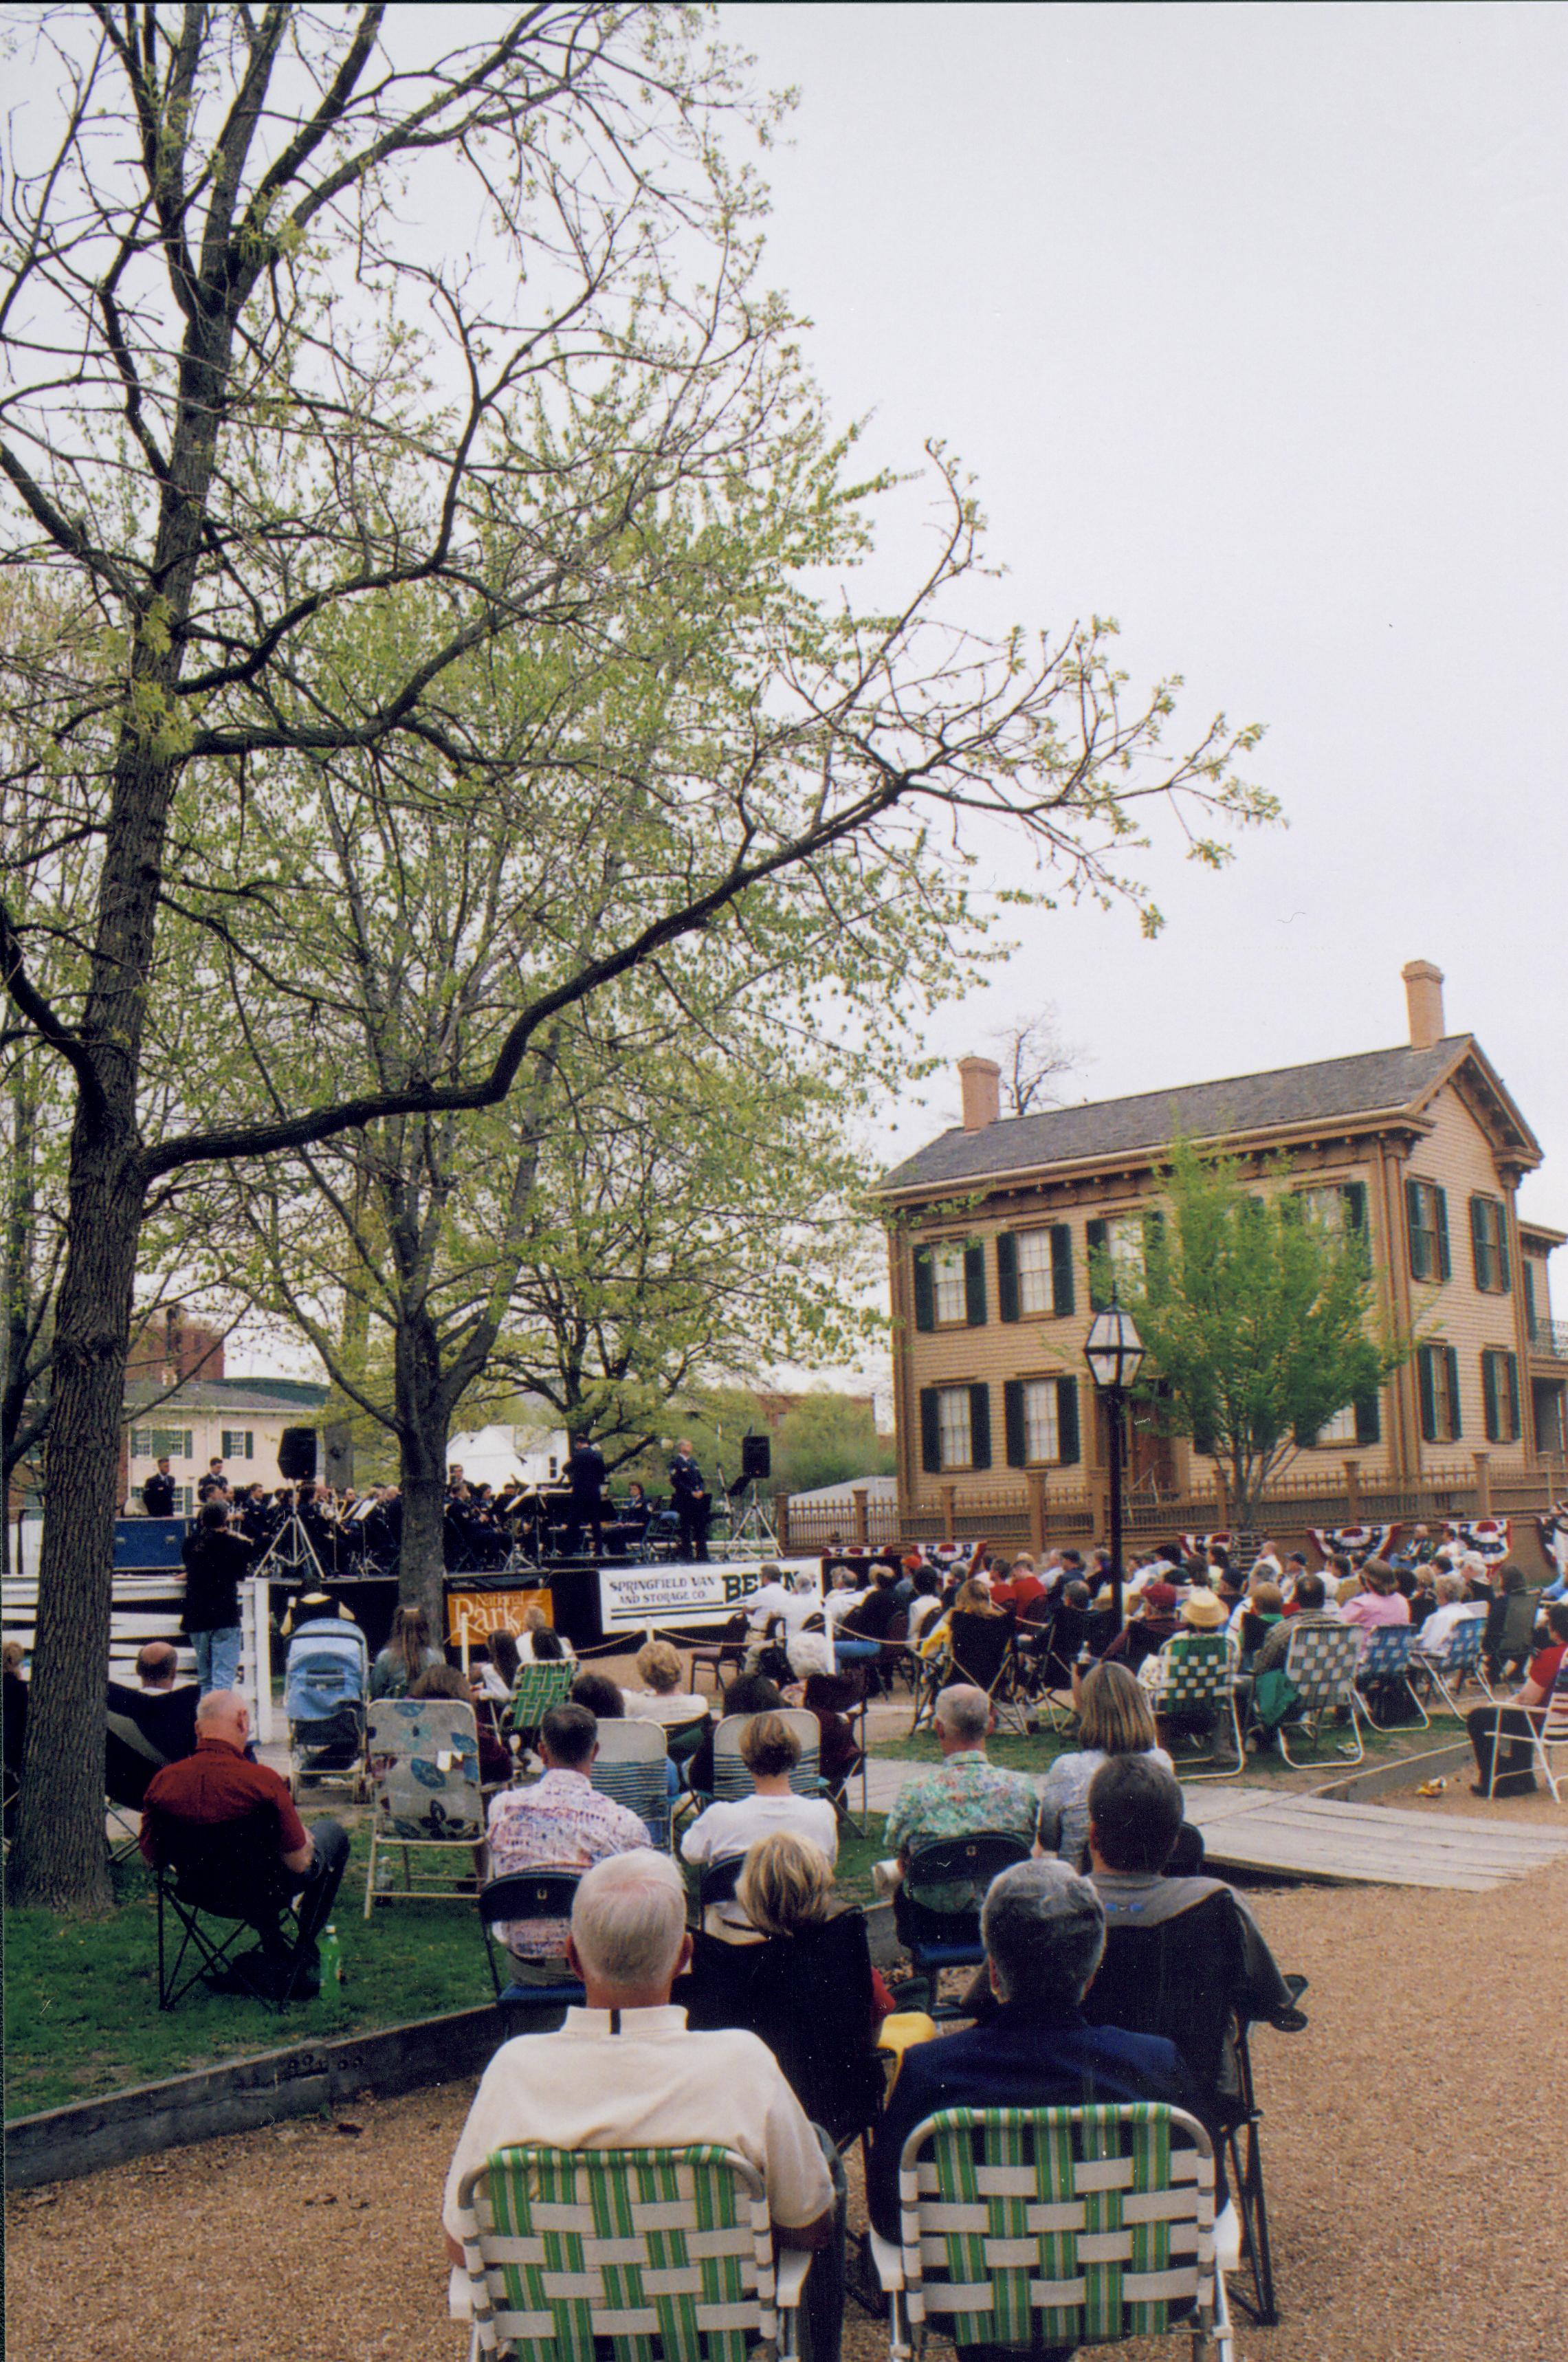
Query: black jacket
[215, 1563]
[158, 1496]
[585, 1469]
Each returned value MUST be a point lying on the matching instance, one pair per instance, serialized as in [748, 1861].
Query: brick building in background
[1420, 1148]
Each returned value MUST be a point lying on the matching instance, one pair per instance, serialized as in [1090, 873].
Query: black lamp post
[1114, 1352]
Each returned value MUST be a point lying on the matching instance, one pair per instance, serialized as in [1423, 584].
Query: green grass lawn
[82, 2016]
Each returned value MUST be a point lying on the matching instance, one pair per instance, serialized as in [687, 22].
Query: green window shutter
[1061, 1268]
[1368, 1418]
[1414, 1225]
[1069, 1449]
[974, 1285]
[980, 1427]
[1451, 1354]
[1489, 1397]
[1480, 1243]
[930, 1431]
[1012, 1420]
[1095, 1242]
[1354, 1195]
[1426, 1369]
[926, 1290]
[1528, 1270]
[1445, 1261]
[1006, 1275]
[1505, 1274]
[1511, 1365]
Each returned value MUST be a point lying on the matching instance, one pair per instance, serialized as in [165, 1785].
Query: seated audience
[748, 1694]
[1184, 1957]
[264, 1856]
[829, 1696]
[1525, 1711]
[599, 1693]
[1115, 1718]
[808, 1988]
[1509, 1581]
[540, 1643]
[1453, 1608]
[1377, 1602]
[729, 1827]
[810, 1647]
[560, 1822]
[1044, 1928]
[1263, 1614]
[495, 1673]
[964, 1796]
[1149, 1630]
[406, 1655]
[624, 2073]
[445, 1680]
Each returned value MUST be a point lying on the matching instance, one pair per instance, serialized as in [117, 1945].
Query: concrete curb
[1408, 1772]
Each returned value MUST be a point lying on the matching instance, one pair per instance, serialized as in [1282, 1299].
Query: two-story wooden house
[1419, 1148]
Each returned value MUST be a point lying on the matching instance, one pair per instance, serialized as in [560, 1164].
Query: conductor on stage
[689, 1496]
[157, 1493]
[586, 1471]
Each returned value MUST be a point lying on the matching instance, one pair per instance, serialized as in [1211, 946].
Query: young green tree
[829, 1437]
[1257, 1310]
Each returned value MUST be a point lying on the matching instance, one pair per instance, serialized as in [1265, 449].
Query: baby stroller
[327, 1679]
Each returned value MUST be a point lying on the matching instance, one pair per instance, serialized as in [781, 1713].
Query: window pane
[142, 1443]
[947, 1272]
[953, 1426]
[1041, 1439]
[1341, 1428]
[1034, 1290]
[1325, 1208]
[1124, 1245]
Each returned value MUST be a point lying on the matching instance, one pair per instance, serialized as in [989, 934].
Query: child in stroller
[327, 1679]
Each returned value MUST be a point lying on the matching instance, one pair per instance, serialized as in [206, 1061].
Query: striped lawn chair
[1320, 1666]
[1195, 1673]
[666, 2252]
[1057, 2226]
[539, 1687]
[731, 1778]
[1449, 1667]
[1385, 1667]
[629, 1766]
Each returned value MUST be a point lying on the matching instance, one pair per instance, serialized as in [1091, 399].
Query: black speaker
[756, 1458]
[296, 1454]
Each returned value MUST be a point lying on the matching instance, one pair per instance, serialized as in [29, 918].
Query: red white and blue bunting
[1354, 1542]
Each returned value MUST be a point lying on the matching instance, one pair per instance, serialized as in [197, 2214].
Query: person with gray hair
[625, 2072]
[1045, 1932]
[966, 1797]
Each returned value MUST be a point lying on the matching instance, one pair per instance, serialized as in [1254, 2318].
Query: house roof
[304, 1396]
[1377, 1082]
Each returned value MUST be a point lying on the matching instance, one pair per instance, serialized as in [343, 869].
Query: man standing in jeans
[216, 1561]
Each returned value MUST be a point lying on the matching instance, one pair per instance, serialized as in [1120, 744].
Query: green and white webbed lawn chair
[1056, 2227]
[1320, 1667]
[538, 1689]
[1195, 1675]
[668, 2253]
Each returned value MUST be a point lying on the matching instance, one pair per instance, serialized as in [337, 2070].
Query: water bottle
[331, 1958]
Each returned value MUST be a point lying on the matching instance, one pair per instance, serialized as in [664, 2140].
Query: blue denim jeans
[217, 1658]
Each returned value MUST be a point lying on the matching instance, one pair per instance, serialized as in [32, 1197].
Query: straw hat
[1203, 1611]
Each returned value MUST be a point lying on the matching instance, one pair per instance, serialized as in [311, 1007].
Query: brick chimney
[980, 1079]
[1423, 995]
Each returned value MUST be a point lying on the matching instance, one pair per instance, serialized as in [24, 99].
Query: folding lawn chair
[662, 2254]
[1447, 1667]
[939, 1936]
[512, 1901]
[1513, 1644]
[629, 1766]
[1384, 1670]
[1057, 2226]
[1194, 1674]
[539, 1687]
[1320, 1667]
[1548, 1728]
[227, 1871]
[424, 1755]
[713, 1656]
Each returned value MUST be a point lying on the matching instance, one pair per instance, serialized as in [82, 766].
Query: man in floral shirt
[560, 1823]
[966, 1795]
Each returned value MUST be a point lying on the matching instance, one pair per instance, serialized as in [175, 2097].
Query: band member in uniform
[586, 1471]
[157, 1493]
[691, 1501]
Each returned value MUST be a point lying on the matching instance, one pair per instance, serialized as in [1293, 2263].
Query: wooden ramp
[1309, 1837]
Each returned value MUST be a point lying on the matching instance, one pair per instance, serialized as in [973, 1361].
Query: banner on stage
[633, 1597]
[485, 1612]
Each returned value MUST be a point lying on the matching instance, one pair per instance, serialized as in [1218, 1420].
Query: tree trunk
[422, 1444]
[59, 1859]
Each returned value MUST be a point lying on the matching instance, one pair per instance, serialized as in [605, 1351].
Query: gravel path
[1413, 2157]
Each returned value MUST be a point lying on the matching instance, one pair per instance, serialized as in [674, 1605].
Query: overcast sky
[1250, 323]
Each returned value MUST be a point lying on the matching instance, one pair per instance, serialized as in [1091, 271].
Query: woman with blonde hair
[662, 1697]
[1114, 1718]
[770, 1751]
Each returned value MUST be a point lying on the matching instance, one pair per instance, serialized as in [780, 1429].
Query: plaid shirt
[560, 1823]
[964, 1795]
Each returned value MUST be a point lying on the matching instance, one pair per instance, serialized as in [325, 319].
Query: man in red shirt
[268, 1856]
[1524, 1713]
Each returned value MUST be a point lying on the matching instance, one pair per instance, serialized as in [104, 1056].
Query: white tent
[488, 1458]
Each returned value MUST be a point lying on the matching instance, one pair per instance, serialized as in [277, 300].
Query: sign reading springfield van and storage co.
[632, 1598]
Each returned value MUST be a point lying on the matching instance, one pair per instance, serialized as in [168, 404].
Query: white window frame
[1126, 1245]
[949, 1293]
[954, 1428]
[1037, 1281]
[238, 1442]
[1041, 1422]
[1341, 1428]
